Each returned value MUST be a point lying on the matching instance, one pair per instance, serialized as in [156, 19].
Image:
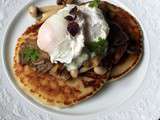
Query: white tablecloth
[146, 107]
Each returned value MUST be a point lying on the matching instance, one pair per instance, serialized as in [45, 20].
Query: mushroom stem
[96, 61]
[42, 13]
[100, 70]
[74, 73]
[54, 10]
[50, 8]
[46, 15]
[85, 69]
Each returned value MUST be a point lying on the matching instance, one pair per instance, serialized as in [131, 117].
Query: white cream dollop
[54, 38]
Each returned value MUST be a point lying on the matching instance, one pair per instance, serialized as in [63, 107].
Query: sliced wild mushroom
[96, 60]
[43, 66]
[54, 69]
[42, 13]
[85, 69]
[88, 79]
[74, 73]
[47, 14]
[133, 47]
[45, 55]
[22, 61]
[118, 43]
[65, 75]
[50, 7]
[100, 70]
[58, 70]
[38, 62]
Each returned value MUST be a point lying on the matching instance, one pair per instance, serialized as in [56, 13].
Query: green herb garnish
[30, 54]
[94, 3]
[98, 47]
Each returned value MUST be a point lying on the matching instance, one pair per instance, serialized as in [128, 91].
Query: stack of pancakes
[51, 90]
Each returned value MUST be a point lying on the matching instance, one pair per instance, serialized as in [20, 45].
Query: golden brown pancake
[49, 89]
[52, 90]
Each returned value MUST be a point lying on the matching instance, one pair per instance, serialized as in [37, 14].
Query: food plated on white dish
[114, 95]
[73, 50]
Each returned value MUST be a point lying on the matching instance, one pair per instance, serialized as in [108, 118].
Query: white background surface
[146, 106]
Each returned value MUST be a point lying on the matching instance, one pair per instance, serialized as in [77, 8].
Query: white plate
[109, 98]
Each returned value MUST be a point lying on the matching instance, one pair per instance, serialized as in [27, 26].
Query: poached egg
[61, 46]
